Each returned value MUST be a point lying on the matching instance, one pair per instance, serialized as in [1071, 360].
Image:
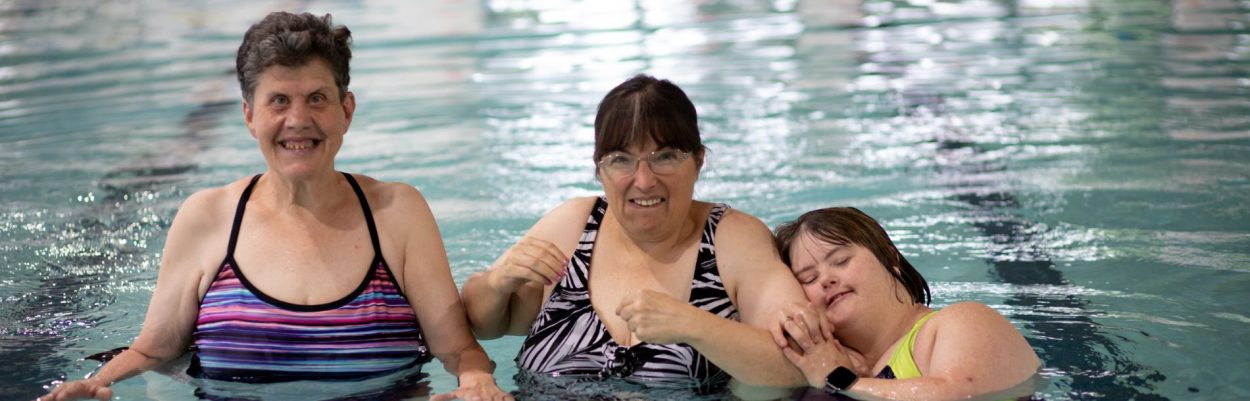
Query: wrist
[475, 377]
[817, 379]
[839, 380]
[96, 381]
[695, 319]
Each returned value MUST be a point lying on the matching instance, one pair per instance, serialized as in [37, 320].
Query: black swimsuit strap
[247, 193]
[364, 205]
[238, 216]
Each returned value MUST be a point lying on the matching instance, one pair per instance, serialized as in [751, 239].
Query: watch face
[840, 379]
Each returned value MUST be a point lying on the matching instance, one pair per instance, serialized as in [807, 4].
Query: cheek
[814, 293]
[613, 187]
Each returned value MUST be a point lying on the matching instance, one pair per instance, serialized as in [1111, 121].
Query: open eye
[668, 156]
[280, 100]
[619, 161]
[317, 98]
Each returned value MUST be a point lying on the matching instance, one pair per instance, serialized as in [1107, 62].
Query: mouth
[299, 144]
[834, 298]
[647, 202]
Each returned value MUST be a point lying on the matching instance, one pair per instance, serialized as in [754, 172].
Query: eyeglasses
[662, 162]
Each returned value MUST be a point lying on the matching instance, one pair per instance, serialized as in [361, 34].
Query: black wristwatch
[840, 379]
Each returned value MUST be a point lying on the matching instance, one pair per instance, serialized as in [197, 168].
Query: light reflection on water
[1079, 166]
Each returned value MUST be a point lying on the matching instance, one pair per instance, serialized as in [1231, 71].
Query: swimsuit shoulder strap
[238, 216]
[364, 205]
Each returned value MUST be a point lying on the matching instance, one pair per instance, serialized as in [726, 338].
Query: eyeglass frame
[649, 158]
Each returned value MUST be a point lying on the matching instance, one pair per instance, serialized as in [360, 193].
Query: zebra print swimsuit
[568, 339]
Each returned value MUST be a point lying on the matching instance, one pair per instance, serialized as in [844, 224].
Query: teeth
[298, 145]
[647, 202]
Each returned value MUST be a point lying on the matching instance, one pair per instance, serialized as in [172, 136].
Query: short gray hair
[293, 40]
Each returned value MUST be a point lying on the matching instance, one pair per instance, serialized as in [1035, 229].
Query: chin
[298, 172]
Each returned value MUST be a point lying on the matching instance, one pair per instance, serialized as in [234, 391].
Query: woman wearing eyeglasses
[643, 283]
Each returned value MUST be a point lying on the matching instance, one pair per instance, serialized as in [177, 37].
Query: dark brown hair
[644, 105]
[848, 225]
[293, 40]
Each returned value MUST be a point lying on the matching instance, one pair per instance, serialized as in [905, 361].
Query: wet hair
[293, 40]
[644, 105]
[848, 225]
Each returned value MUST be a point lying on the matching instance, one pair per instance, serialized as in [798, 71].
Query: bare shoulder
[972, 340]
[563, 224]
[383, 196]
[572, 209]
[738, 225]
[210, 208]
[200, 233]
[972, 323]
[969, 313]
[741, 236]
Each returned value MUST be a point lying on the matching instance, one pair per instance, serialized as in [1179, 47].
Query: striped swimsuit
[568, 339]
[244, 335]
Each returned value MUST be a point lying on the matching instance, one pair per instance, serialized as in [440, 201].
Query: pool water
[1082, 166]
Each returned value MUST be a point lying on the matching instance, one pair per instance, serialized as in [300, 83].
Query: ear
[698, 159]
[349, 108]
[247, 117]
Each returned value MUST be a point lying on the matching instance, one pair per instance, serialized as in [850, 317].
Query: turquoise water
[1081, 166]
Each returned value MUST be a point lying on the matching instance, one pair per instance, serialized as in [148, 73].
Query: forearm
[127, 364]
[470, 363]
[745, 352]
[487, 308]
[918, 389]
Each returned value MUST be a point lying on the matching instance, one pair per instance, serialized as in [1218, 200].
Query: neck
[314, 193]
[662, 242]
[873, 338]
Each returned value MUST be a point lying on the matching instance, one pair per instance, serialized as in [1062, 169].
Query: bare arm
[432, 293]
[760, 286]
[171, 315]
[973, 351]
[507, 298]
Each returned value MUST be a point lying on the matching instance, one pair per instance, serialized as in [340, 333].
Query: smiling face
[298, 119]
[649, 205]
[848, 280]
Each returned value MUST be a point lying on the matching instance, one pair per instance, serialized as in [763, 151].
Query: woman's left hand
[475, 388]
[656, 317]
[820, 357]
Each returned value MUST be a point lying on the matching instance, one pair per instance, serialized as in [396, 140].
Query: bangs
[646, 109]
[633, 126]
[828, 234]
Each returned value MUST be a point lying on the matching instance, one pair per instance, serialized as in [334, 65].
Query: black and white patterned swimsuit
[568, 339]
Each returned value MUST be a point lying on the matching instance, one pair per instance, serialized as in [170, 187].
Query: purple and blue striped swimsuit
[244, 335]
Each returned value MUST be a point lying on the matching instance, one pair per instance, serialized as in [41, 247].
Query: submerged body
[867, 330]
[646, 283]
[312, 237]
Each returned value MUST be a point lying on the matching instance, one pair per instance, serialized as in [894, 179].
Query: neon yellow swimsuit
[902, 364]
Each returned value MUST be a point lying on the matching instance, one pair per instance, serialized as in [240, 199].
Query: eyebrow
[320, 89]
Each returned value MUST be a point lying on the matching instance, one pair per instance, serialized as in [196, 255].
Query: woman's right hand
[531, 261]
[78, 390]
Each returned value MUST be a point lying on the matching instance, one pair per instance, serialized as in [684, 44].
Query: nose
[298, 117]
[644, 178]
[828, 280]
